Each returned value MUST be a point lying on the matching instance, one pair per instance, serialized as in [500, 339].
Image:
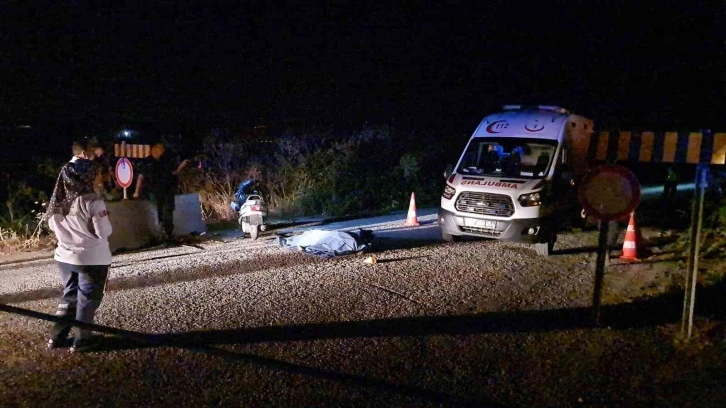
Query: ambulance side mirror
[449, 170]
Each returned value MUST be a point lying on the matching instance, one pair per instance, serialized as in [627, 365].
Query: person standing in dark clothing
[100, 156]
[158, 177]
[245, 189]
[670, 187]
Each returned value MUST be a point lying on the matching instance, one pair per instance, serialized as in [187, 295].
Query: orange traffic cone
[412, 220]
[632, 240]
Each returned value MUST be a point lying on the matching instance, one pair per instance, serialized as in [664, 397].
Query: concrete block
[188, 215]
[135, 222]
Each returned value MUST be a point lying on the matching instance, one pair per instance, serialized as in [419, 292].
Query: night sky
[440, 65]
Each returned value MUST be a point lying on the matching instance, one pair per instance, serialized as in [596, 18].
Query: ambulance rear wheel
[450, 238]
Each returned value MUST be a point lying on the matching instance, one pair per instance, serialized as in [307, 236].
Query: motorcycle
[251, 215]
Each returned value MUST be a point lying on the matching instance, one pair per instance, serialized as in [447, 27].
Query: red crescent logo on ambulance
[497, 126]
[536, 127]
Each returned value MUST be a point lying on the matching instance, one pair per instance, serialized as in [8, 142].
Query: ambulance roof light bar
[539, 107]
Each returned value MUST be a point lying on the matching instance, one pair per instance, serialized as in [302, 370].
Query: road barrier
[134, 151]
[658, 147]
[135, 222]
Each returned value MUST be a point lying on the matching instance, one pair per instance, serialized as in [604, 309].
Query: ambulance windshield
[508, 157]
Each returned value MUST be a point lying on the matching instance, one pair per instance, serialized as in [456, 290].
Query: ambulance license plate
[486, 224]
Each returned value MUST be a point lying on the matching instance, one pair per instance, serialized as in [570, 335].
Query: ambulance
[516, 179]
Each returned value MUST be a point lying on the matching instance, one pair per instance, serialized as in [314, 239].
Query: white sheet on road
[324, 243]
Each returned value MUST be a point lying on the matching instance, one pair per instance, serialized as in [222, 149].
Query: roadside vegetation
[320, 172]
[314, 171]
[21, 228]
[713, 232]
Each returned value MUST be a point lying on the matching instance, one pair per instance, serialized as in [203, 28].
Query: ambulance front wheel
[546, 248]
[450, 238]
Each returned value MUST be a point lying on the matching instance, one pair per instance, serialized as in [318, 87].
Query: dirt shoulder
[17, 257]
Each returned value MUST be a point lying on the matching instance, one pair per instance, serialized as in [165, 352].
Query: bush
[25, 233]
[364, 172]
[225, 158]
[320, 172]
[21, 218]
[714, 231]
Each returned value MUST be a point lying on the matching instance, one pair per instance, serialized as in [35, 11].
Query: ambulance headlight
[530, 200]
[449, 192]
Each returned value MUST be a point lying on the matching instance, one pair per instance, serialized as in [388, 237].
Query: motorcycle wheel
[254, 231]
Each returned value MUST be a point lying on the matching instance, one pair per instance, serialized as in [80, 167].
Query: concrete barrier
[135, 222]
[188, 215]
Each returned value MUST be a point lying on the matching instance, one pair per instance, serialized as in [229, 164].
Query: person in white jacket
[78, 217]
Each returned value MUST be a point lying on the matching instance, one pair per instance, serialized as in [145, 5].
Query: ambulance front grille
[497, 205]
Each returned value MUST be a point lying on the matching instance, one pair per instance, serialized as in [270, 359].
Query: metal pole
[689, 300]
[602, 254]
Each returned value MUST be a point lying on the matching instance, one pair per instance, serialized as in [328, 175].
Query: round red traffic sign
[124, 172]
[609, 192]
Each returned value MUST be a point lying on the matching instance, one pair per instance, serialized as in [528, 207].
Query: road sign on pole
[124, 174]
[608, 193]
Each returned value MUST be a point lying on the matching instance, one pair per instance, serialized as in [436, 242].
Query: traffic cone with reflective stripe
[412, 220]
[632, 240]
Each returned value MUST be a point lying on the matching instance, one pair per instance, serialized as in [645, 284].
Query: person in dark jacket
[670, 187]
[245, 188]
[104, 161]
[158, 177]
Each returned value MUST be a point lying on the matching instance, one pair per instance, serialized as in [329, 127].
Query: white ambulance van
[515, 180]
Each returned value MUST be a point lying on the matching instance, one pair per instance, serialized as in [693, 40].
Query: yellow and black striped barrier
[659, 147]
[610, 146]
[138, 151]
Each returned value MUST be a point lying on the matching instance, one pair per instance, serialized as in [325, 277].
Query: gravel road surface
[246, 323]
